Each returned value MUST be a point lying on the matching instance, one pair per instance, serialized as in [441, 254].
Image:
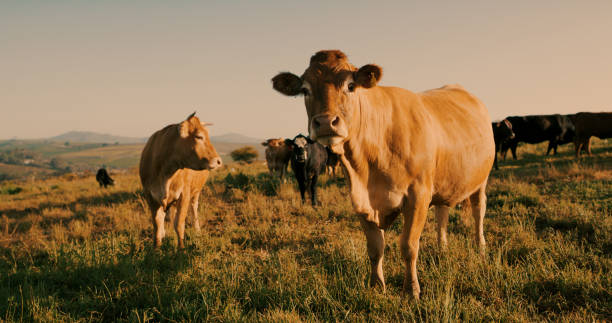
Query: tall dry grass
[70, 251]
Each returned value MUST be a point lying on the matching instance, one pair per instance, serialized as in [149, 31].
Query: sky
[131, 67]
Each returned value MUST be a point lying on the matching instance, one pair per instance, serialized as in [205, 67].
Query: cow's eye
[351, 87]
[199, 137]
[305, 91]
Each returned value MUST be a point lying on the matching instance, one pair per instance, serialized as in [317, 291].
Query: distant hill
[235, 138]
[93, 137]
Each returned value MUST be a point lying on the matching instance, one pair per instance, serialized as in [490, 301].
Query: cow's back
[461, 140]
[154, 152]
[598, 124]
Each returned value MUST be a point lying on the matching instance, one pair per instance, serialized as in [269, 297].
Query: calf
[308, 160]
[103, 178]
[173, 168]
[534, 129]
[502, 132]
[277, 156]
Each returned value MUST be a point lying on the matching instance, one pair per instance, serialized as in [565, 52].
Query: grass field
[70, 251]
[87, 156]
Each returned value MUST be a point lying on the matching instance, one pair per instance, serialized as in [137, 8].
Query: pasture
[70, 251]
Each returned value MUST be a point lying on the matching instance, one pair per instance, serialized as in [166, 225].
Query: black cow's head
[298, 147]
[504, 130]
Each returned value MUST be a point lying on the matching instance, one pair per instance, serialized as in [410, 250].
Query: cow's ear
[265, 143]
[287, 84]
[368, 76]
[183, 129]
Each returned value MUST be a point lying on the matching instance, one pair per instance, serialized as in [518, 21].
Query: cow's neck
[370, 126]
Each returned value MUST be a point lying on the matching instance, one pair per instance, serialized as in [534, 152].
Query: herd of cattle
[557, 129]
[402, 152]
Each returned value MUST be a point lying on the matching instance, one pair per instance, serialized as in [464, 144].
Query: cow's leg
[442, 223]
[179, 219]
[587, 144]
[513, 149]
[313, 189]
[414, 220]
[578, 146]
[302, 185]
[504, 150]
[159, 232]
[376, 246]
[550, 147]
[479, 205]
[195, 200]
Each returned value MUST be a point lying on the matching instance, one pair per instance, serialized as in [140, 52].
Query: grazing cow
[333, 162]
[502, 132]
[588, 124]
[103, 178]
[173, 168]
[402, 151]
[555, 128]
[277, 156]
[308, 160]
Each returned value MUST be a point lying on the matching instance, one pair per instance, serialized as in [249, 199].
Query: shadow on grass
[95, 285]
[529, 164]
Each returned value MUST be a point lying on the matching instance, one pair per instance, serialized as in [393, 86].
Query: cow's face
[194, 147]
[298, 146]
[273, 143]
[331, 87]
[505, 130]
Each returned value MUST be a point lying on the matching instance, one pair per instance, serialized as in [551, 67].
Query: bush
[262, 183]
[246, 154]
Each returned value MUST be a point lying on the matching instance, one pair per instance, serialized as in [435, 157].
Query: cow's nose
[215, 163]
[326, 124]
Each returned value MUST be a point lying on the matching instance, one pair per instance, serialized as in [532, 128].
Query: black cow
[103, 178]
[555, 128]
[308, 160]
[502, 132]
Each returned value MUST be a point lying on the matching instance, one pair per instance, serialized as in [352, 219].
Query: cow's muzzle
[215, 163]
[328, 129]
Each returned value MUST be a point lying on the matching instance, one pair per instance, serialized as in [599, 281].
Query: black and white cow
[308, 161]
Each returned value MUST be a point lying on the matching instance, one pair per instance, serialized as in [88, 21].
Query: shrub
[246, 154]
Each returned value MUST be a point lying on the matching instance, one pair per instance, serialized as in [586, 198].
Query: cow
[173, 168]
[277, 156]
[533, 129]
[589, 124]
[308, 161]
[103, 178]
[333, 162]
[401, 151]
[502, 132]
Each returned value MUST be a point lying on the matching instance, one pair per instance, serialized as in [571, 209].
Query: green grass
[70, 251]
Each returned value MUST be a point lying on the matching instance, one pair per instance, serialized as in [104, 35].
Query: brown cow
[277, 156]
[333, 162]
[588, 124]
[402, 151]
[173, 168]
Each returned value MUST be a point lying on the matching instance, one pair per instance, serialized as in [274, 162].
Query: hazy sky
[131, 67]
